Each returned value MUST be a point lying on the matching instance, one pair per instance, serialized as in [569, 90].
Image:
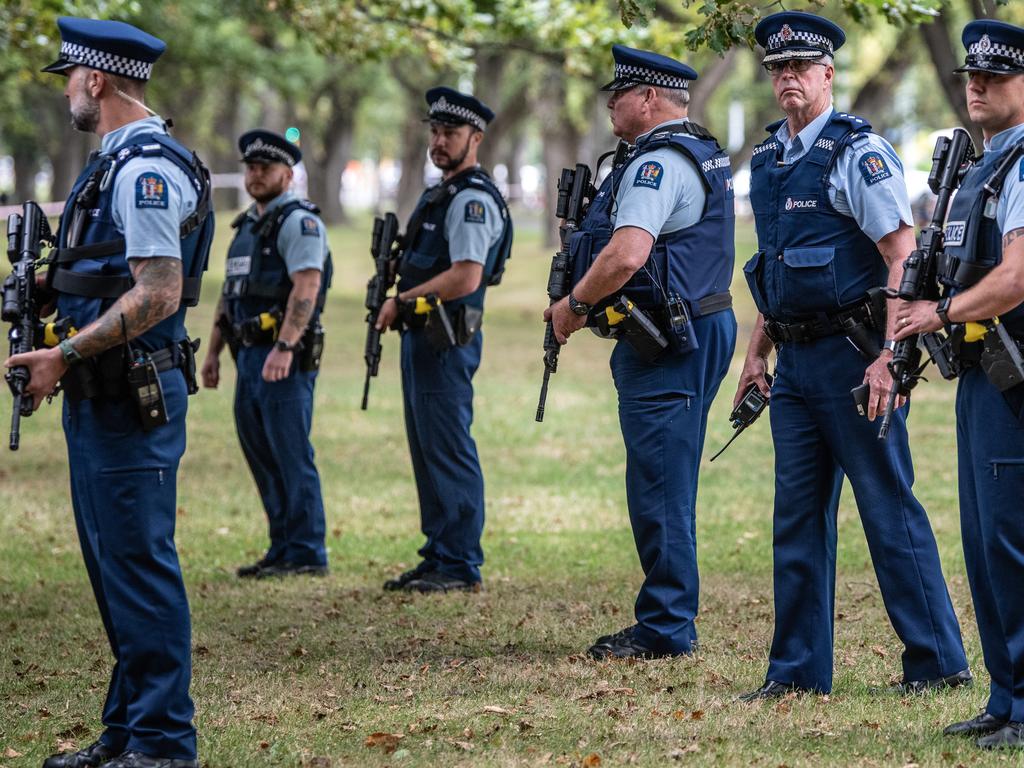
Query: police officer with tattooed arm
[132, 245]
[983, 274]
[833, 223]
[455, 246]
[652, 263]
[275, 283]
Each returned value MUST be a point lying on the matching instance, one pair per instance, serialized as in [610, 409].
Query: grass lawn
[335, 672]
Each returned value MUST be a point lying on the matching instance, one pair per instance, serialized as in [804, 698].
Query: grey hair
[679, 97]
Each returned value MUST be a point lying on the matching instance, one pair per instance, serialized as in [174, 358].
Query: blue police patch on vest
[309, 226]
[475, 212]
[873, 168]
[649, 175]
[150, 191]
[799, 204]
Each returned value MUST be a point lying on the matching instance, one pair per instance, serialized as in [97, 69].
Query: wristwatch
[71, 356]
[889, 344]
[578, 307]
[942, 309]
[283, 346]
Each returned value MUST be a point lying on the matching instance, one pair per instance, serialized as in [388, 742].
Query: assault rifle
[27, 232]
[575, 193]
[920, 280]
[385, 249]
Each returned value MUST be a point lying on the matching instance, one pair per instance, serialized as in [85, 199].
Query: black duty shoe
[435, 581]
[979, 726]
[963, 677]
[290, 569]
[139, 760]
[251, 570]
[399, 582]
[93, 755]
[1009, 736]
[771, 689]
[623, 645]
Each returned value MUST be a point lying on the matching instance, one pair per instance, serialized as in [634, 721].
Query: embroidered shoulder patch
[309, 226]
[873, 168]
[475, 212]
[150, 191]
[649, 175]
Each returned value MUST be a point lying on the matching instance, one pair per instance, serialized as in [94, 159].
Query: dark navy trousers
[437, 391]
[990, 448]
[273, 420]
[663, 413]
[123, 490]
[818, 438]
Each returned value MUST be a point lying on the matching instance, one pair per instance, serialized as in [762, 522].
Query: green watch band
[71, 356]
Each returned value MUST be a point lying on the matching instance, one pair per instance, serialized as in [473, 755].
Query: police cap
[636, 67]
[109, 46]
[993, 46]
[446, 105]
[797, 35]
[263, 146]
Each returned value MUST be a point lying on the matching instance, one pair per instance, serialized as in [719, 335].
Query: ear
[96, 83]
[476, 137]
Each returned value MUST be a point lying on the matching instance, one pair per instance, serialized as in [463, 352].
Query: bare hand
[754, 370]
[278, 365]
[914, 317]
[45, 367]
[879, 378]
[388, 313]
[210, 372]
[563, 320]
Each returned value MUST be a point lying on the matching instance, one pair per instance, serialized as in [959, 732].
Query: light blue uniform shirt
[151, 196]
[302, 239]
[1010, 208]
[676, 202]
[878, 206]
[472, 226]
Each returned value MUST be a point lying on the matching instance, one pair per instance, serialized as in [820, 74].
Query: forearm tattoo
[155, 295]
[298, 313]
[1012, 235]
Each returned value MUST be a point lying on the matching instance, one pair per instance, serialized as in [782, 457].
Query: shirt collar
[659, 126]
[798, 144]
[123, 135]
[1005, 139]
[277, 202]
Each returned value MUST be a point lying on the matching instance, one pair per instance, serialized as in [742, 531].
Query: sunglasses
[796, 66]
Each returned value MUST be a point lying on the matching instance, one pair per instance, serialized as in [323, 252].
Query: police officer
[984, 265]
[455, 244]
[659, 232]
[276, 279]
[833, 221]
[133, 242]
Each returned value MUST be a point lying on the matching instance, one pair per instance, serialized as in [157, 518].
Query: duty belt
[705, 305]
[818, 327]
[103, 375]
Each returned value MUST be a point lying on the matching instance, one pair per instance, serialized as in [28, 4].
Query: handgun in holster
[626, 321]
[438, 329]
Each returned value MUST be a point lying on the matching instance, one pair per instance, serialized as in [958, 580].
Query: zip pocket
[1004, 464]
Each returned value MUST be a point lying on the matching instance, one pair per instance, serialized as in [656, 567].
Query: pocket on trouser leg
[130, 511]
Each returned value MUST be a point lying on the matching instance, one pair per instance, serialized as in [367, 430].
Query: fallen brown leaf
[11, 753]
[494, 710]
[592, 760]
[879, 651]
[386, 741]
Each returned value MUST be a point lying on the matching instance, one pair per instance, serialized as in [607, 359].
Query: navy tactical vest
[812, 259]
[973, 242]
[426, 252]
[92, 272]
[256, 275]
[693, 262]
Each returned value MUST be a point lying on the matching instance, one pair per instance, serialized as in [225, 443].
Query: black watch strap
[942, 309]
[283, 346]
[579, 307]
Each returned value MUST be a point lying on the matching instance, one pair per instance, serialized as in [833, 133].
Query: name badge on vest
[954, 234]
[237, 266]
[801, 204]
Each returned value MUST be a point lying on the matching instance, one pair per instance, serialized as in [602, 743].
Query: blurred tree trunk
[561, 141]
[874, 101]
[511, 105]
[223, 154]
[704, 88]
[330, 149]
[26, 166]
[67, 162]
[944, 58]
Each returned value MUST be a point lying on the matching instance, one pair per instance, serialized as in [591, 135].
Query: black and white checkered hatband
[105, 62]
